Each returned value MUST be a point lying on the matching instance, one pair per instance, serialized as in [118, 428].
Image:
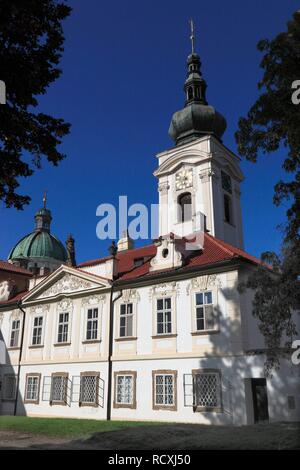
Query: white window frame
[164, 374]
[205, 306]
[208, 372]
[37, 327]
[87, 320]
[36, 399]
[124, 375]
[13, 330]
[214, 293]
[68, 323]
[127, 316]
[164, 311]
[84, 375]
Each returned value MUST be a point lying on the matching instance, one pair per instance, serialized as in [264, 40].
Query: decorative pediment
[66, 285]
[187, 157]
[63, 282]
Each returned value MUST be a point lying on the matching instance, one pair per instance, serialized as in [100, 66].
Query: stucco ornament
[163, 290]
[203, 283]
[65, 305]
[68, 284]
[6, 289]
[39, 309]
[130, 295]
[93, 300]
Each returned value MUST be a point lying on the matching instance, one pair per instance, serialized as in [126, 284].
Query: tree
[31, 45]
[272, 123]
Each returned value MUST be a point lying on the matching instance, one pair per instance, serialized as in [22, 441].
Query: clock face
[184, 179]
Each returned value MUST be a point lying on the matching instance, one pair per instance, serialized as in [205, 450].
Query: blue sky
[123, 72]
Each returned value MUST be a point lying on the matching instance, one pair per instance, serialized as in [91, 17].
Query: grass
[153, 435]
[64, 427]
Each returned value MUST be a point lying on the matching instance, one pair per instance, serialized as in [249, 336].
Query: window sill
[126, 338]
[13, 348]
[61, 344]
[206, 409]
[91, 341]
[165, 335]
[165, 407]
[31, 402]
[92, 405]
[35, 346]
[132, 406]
[204, 332]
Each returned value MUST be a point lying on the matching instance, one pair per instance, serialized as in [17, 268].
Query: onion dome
[197, 118]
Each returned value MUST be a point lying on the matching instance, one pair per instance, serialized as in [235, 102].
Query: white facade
[142, 353]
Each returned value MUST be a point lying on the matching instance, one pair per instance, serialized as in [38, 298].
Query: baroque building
[159, 332]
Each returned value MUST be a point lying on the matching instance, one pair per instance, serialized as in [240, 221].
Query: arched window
[185, 207]
[190, 93]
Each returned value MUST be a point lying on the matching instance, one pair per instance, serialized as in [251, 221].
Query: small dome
[195, 120]
[39, 244]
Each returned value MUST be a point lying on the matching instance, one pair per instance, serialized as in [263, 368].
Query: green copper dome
[39, 244]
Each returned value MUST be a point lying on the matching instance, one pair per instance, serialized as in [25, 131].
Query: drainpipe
[110, 351]
[20, 356]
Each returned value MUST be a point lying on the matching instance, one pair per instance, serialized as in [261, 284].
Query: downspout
[20, 356]
[110, 351]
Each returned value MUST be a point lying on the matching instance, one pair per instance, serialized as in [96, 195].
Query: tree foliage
[31, 45]
[272, 123]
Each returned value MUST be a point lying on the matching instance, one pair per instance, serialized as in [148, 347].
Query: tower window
[190, 93]
[227, 209]
[226, 182]
[185, 207]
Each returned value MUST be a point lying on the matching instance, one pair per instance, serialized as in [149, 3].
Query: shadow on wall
[11, 397]
[247, 395]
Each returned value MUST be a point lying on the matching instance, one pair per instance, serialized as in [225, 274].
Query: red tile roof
[5, 266]
[214, 251]
[14, 299]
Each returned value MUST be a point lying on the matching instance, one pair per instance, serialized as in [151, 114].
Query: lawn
[60, 433]
[62, 427]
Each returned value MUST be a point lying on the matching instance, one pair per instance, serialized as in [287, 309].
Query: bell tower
[199, 178]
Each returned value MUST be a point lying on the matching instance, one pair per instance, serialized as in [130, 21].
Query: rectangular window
[63, 328]
[9, 387]
[89, 389]
[207, 390]
[164, 316]
[37, 331]
[164, 390]
[205, 316]
[126, 320]
[125, 389]
[92, 324]
[226, 182]
[32, 388]
[15, 333]
[227, 209]
[59, 386]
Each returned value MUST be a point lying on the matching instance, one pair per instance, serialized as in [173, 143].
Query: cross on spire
[45, 199]
[192, 37]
